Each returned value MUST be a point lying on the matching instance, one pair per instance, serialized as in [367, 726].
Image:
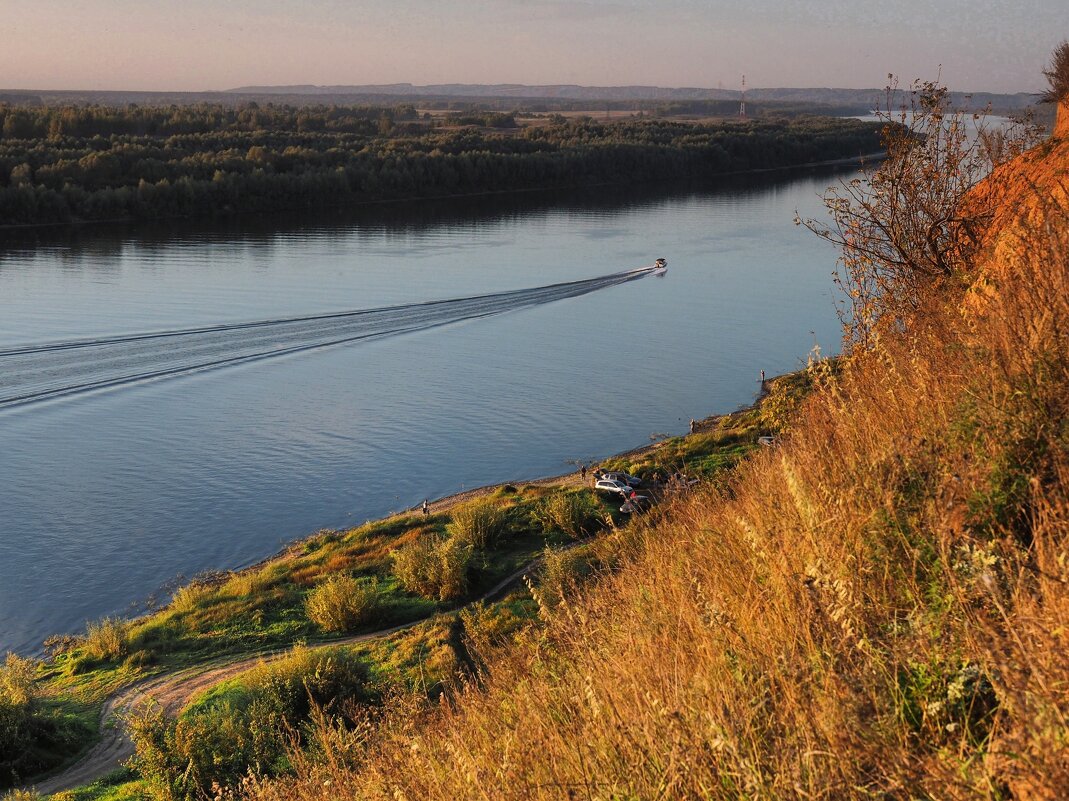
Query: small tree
[904, 226]
[1057, 76]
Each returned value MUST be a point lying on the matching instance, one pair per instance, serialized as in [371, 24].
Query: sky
[197, 45]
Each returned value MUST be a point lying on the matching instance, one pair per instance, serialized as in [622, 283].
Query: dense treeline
[24, 122]
[68, 164]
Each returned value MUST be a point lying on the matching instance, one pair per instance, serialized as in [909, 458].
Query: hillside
[877, 607]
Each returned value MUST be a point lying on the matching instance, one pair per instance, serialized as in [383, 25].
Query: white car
[623, 478]
[612, 485]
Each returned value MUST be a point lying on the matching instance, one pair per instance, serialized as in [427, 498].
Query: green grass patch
[119, 785]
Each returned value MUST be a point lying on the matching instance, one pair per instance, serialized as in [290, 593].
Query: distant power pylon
[742, 102]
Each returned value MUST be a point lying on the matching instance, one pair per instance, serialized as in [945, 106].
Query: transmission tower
[742, 102]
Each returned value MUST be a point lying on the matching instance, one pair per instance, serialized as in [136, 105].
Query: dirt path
[173, 691]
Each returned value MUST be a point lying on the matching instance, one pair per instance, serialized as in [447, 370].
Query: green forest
[72, 164]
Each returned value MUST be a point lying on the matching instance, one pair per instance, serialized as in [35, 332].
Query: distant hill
[565, 91]
[536, 98]
[826, 96]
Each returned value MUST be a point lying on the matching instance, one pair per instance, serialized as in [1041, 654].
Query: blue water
[108, 496]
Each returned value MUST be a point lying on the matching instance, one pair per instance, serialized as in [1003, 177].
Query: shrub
[436, 568]
[106, 639]
[342, 603]
[16, 681]
[34, 737]
[574, 513]
[562, 570]
[479, 523]
[487, 628]
[58, 644]
[249, 728]
[16, 700]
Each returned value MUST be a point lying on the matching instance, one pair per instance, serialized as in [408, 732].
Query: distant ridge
[827, 95]
[557, 91]
[541, 97]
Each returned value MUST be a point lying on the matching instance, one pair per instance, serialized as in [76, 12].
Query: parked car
[623, 478]
[613, 486]
[635, 503]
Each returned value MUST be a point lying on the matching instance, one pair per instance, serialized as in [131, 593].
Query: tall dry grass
[106, 638]
[878, 607]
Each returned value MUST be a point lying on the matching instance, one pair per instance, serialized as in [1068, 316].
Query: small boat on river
[660, 267]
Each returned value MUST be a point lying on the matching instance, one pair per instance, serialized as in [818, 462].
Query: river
[126, 464]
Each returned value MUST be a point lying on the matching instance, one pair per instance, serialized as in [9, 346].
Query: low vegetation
[478, 524]
[331, 584]
[245, 726]
[27, 717]
[572, 513]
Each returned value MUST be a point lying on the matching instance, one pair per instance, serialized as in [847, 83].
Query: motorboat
[660, 267]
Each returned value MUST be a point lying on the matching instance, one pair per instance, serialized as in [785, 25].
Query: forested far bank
[60, 165]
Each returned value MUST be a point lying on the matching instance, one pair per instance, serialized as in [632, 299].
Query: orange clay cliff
[1022, 197]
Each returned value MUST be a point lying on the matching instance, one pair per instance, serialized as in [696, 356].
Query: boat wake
[34, 373]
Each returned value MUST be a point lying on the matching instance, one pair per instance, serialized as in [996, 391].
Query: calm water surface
[106, 497]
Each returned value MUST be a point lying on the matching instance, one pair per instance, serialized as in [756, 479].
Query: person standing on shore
[426, 507]
[582, 471]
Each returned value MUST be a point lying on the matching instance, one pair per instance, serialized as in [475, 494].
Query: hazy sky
[995, 45]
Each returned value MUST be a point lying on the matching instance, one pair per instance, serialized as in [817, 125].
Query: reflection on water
[108, 496]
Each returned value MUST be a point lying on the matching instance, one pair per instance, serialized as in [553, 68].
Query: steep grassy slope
[878, 607]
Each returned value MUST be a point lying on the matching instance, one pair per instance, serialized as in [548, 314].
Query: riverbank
[221, 624]
[791, 384]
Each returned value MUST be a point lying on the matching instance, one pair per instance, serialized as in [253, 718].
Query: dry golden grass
[876, 608]
[106, 638]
